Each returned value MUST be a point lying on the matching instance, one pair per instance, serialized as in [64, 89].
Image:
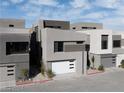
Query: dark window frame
[58, 46]
[17, 48]
[116, 43]
[104, 43]
[11, 25]
[73, 27]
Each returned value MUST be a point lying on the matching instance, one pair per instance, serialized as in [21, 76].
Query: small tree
[25, 73]
[93, 60]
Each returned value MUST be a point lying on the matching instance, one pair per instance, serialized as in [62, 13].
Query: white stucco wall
[95, 41]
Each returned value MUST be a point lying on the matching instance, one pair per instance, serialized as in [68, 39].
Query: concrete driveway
[110, 81]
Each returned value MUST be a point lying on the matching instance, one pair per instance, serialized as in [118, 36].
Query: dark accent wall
[35, 55]
[64, 25]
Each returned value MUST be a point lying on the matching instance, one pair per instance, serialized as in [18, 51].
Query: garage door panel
[63, 67]
[108, 62]
[60, 67]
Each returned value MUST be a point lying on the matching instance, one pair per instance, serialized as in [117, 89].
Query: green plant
[101, 68]
[25, 73]
[122, 63]
[93, 60]
[42, 69]
[50, 74]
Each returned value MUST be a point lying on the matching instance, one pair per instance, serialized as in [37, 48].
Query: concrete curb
[32, 83]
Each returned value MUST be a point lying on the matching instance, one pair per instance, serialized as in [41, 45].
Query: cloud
[114, 23]
[44, 2]
[5, 3]
[16, 1]
[106, 3]
[109, 12]
[79, 3]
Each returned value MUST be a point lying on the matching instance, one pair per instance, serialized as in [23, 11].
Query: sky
[108, 12]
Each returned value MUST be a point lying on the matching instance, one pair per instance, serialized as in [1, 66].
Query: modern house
[58, 45]
[101, 47]
[14, 51]
[118, 46]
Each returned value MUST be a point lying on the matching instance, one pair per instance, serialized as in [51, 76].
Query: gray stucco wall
[116, 37]
[104, 59]
[7, 75]
[72, 48]
[97, 62]
[51, 35]
[79, 26]
[18, 23]
[20, 60]
[122, 42]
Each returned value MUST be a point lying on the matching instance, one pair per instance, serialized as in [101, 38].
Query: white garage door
[63, 67]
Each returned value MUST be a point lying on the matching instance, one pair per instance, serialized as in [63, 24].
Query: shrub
[122, 63]
[101, 68]
[25, 73]
[50, 74]
[42, 69]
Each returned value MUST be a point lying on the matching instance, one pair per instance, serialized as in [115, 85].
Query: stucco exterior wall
[95, 41]
[18, 23]
[20, 60]
[78, 26]
[119, 58]
[51, 35]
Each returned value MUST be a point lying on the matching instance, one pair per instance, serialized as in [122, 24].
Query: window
[74, 28]
[11, 66]
[16, 47]
[52, 26]
[58, 46]
[84, 27]
[11, 25]
[88, 27]
[104, 41]
[116, 43]
[80, 42]
[87, 47]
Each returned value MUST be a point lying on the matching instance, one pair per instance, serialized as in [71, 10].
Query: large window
[16, 47]
[116, 43]
[58, 46]
[104, 41]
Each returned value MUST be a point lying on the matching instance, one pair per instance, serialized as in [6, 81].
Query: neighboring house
[118, 46]
[14, 51]
[101, 47]
[85, 26]
[36, 40]
[63, 50]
